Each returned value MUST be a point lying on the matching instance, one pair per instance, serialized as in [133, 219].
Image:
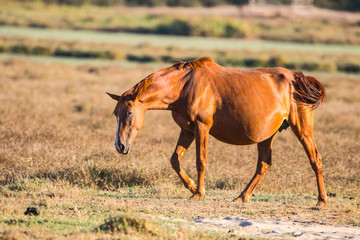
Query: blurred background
[314, 35]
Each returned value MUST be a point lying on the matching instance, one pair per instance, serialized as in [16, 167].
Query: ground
[57, 155]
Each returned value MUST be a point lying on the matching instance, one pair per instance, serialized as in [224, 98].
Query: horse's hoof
[321, 203]
[242, 199]
[197, 196]
[192, 190]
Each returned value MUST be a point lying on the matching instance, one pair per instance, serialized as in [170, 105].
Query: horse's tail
[308, 93]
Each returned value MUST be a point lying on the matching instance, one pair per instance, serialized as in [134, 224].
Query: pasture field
[326, 29]
[330, 58]
[57, 154]
[205, 43]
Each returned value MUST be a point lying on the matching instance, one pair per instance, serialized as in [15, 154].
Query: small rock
[32, 211]
[331, 194]
[297, 234]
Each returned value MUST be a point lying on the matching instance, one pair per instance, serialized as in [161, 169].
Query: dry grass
[56, 124]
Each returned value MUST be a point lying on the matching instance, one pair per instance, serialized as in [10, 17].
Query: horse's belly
[241, 130]
[231, 135]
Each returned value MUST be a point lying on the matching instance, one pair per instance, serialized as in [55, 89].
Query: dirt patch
[237, 226]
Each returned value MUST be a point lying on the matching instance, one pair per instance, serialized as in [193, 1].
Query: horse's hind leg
[302, 126]
[263, 165]
[184, 141]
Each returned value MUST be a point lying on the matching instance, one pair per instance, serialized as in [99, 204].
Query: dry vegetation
[57, 131]
[56, 153]
[325, 29]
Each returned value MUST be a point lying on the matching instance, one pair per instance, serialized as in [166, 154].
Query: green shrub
[292, 65]
[184, 3]
[127, 224]
[3, 48]
[310, 66]
[276, 61]
[349, 67]
[63, 53]
[233, 30]
[168, 58]
[143, 58]
[253, 62]
[175, 27]
[20, 48]
[39, 50]
[348, 5]
[211, 3]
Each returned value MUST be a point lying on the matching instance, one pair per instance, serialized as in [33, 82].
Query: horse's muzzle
[121, 148]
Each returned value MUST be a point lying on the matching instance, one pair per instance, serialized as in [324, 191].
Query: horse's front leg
[201, 139]
[184, 141]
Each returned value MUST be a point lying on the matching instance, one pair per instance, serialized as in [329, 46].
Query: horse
[238, 107]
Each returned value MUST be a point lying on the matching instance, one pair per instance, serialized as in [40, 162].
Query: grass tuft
[127, 224]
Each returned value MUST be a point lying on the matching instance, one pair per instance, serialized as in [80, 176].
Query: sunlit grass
[57, 154]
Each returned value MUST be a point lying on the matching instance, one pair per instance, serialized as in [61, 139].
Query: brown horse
[235, 106]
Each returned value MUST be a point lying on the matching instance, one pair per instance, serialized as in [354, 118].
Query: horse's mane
[181, 65]
[192, 64]
[142, 85]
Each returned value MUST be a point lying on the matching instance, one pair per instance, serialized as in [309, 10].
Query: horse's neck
[160, 94]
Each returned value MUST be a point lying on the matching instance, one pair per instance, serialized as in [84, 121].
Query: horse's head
[130, 119]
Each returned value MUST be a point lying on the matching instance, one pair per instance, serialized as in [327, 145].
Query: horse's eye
[129, 113]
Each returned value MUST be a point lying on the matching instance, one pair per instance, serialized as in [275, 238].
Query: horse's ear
[114, 96]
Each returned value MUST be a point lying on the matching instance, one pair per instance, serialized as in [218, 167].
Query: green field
[325, 29]
[140, 48]
[173, 41]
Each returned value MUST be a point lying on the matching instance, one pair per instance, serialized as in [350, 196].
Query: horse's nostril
[119, 147]
[122, 147]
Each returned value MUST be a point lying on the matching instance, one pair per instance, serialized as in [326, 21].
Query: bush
[348, 5]
[63, 53]
[175, 27]
[253, 62]
[233, 30]
[276, 61]
[168, 58]
[349, 67]
[310, 66]
[20, 48]
[3, 48]
[183, 3]
[39, 50]
[127, 224]
[292, 65]
[143, 58]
